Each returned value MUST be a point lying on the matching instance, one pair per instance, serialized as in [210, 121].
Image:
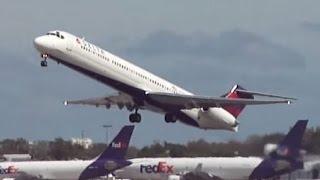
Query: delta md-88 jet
[139, 89]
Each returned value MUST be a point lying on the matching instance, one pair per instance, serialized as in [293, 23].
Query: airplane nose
[37, 41]
[42, 43]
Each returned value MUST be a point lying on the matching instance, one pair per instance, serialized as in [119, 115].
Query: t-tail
[235, 110]
[238, 92]
[286, 157]
[112, 158]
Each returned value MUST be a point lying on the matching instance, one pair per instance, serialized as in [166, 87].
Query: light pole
[107, 126]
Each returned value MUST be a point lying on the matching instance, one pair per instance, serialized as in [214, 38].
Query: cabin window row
[94, 53]
[138, 74]
[125, 67]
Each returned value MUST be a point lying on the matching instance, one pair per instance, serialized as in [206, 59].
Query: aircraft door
[70, 44]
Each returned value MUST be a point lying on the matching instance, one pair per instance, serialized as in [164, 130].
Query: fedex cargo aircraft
[111, 159]
[283, 158]
[139, 89]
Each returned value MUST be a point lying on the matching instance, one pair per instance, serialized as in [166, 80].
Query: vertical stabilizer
[286, 157]
[117, 149]
[235, 110]
[112, 158]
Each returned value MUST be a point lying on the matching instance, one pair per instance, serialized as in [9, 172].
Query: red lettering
[162, 167]
[169, 169]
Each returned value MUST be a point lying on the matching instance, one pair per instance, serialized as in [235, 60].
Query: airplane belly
[213, 118]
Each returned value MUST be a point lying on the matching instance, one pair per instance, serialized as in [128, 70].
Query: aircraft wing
[119, 100]
[179, 101]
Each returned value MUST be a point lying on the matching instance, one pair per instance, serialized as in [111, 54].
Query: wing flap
[120, 100]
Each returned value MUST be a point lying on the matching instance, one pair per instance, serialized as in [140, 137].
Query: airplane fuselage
[127, 78]
[47, 169]
[111, 159]
[171, 168]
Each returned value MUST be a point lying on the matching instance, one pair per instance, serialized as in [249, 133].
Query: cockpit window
[51, 33]
[56, 34]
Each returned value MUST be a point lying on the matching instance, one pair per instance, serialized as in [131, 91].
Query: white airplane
[111, 159]
[178, 168]
[284, 158]
[140, 89]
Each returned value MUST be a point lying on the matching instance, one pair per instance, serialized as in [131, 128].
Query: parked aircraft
[283, 158]
[140, 89]
[107, 162]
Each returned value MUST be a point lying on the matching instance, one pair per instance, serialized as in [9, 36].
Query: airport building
[84, 142]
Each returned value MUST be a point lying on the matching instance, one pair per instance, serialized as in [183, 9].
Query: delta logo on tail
[161, 167]
[119, 145]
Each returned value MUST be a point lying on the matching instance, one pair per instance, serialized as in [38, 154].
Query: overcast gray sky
[204, 46]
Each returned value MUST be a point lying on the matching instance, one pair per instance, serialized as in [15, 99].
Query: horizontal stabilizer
[263, 94]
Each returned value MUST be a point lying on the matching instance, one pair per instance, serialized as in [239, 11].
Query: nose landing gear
[44, 62]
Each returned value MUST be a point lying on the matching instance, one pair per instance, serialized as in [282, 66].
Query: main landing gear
[44, 62]
[170, 118]
[135, 117]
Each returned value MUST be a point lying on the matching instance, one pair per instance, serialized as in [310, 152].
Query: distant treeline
[60, 149]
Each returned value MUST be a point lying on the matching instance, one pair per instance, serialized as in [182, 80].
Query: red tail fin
[235, 110]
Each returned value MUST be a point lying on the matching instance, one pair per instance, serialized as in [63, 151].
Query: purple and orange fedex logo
[161, 167]
[119, 145]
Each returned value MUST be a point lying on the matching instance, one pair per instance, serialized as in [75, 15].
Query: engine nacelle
[269, 148]
[216, 118]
